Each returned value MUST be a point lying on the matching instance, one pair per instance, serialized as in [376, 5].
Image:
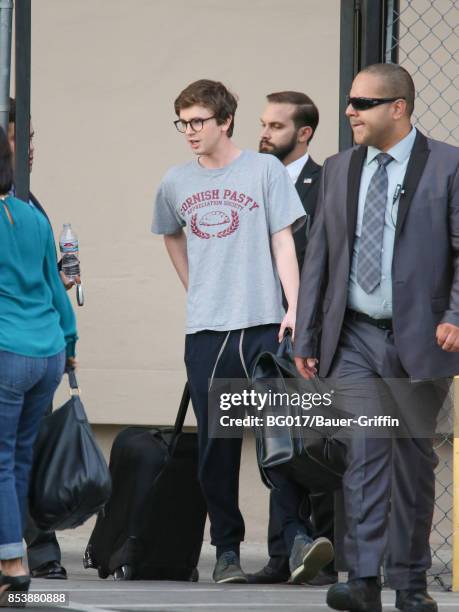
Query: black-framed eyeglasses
[196, 124]
[361, 104]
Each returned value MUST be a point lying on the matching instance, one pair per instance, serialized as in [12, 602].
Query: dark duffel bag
[70, 480]
[312, 457]
[153, 525]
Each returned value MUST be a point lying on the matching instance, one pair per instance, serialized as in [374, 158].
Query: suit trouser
[278, 550]
[388, 474]
[223, 355]
[309, 513]
[42, 546]
[285, 512]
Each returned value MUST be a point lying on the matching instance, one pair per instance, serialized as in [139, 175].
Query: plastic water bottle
[68, 244]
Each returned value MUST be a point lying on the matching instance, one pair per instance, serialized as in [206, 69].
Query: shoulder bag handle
[181, 414]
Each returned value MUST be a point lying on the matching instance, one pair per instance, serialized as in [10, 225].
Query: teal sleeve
[61, 301]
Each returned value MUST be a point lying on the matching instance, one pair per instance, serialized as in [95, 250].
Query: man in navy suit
[288, 124]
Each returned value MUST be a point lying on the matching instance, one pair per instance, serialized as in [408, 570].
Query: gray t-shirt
[230, 214]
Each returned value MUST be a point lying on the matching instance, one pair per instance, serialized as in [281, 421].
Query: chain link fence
[428, 47]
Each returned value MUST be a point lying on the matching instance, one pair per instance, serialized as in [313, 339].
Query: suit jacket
[425, 266]
[308, 192]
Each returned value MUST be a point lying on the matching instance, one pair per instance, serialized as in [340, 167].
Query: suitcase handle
[181, 414]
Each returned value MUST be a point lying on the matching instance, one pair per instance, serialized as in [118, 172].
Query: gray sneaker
[228, 569]
[308, 557]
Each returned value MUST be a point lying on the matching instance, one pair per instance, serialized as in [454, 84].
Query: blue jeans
[27, 386]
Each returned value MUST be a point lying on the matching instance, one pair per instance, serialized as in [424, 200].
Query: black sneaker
[308, 557]
[228, 569]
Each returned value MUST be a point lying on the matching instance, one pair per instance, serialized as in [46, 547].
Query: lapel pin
[307, 180]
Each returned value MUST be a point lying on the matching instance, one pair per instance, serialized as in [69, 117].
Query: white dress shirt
[378, 304]
[294, 169]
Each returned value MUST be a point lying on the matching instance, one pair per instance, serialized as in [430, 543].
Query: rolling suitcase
[152, 526]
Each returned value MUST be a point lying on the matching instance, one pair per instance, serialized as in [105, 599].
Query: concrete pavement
[88, 593]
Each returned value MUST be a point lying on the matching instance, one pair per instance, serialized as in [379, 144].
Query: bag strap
[181, 414]
[73, 382]
[286, 346]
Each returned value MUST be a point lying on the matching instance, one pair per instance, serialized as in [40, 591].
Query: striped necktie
[371, 238]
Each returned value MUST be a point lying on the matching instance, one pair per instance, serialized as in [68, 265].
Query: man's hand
[69, 282]
[288, 322]
[448, 337]
[306, 366]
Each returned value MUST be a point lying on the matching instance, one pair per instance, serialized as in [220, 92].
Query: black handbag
[315, 456]
[70, 480]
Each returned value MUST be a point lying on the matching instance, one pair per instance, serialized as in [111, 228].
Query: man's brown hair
[396, 81]
[211, 94]
[306, 112]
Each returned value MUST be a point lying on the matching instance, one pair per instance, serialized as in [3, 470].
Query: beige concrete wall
[104, 76]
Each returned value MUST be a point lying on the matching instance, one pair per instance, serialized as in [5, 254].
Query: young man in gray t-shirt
[238, 208]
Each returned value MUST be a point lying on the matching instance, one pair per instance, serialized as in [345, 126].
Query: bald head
[396, 82]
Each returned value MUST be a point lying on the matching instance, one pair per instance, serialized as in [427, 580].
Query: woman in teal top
[37, 332]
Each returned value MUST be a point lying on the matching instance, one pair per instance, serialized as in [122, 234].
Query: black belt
[385, 324]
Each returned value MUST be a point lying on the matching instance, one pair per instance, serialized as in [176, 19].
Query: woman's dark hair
[6, 164]
[12, 111]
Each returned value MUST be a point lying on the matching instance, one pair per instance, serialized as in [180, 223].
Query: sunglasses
[361, 104]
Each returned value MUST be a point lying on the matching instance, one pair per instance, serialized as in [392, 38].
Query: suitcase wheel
[102, 574]
[123, 573]
[194, 576]
[87, 559]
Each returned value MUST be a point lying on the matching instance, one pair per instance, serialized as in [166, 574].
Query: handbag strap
[181, 414]
[285, 348]
[73, 382]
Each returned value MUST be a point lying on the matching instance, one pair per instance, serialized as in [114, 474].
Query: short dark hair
[396, 81]
[6, 164]
[12, 111]
[306, 112]
[211, 94]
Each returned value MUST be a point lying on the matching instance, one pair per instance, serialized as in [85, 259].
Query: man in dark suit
[43, 551]
[382, 274]
[288, 125]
